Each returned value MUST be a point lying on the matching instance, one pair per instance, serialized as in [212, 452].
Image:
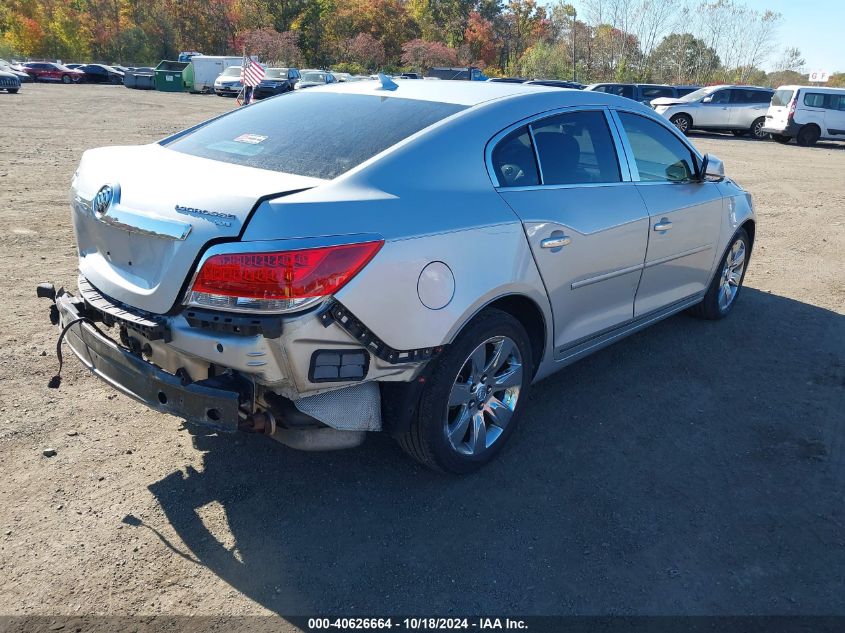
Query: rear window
[315, 134]
[781, 97]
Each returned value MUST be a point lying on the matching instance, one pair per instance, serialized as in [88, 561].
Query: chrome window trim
[621, 159]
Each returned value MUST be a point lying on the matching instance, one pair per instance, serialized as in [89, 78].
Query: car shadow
[696, 467]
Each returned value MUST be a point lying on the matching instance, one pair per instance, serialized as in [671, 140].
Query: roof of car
[466, 93]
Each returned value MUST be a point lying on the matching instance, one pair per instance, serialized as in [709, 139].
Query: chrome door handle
[555, 242]
[663, 225]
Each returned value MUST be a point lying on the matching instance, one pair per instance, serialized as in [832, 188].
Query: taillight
[792, 106]
[278, 281]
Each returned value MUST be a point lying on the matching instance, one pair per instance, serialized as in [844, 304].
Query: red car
[48, 71]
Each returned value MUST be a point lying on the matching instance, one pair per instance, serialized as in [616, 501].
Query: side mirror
[712, 169]
[707, 99]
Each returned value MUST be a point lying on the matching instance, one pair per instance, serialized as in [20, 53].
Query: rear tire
[474, 397]
[726, 284]
[780, 138]
[683, 122]
[756, 129]
[66, 79]
[808, 135]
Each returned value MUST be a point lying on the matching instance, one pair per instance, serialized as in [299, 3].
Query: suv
[737, 109]
[643, 93]
[806, 114]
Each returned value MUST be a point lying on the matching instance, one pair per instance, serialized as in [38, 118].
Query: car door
[834, 115]
[713, 110]
[685, 213]
[747, 105]
[566, 178]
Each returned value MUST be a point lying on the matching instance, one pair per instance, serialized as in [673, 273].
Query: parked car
[643, 93]
[101, 74]
[276, 81]
[806, 114]
[681, 91]
[737, 109]
[556, 83]
[73, 66]
[410, 75]
[48, 71]
[465, 73]
[9, 82]
[207, 68]
[6, 67]
[388, 279]
[311, 78]
[229, 83]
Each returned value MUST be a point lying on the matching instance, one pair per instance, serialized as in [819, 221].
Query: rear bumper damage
[215, 401]
[241, 374]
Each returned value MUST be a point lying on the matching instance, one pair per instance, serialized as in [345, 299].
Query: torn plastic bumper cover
[143, 381]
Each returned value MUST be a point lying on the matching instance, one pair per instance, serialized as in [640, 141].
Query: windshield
[351, 128]
[320, 77]
[232, 71]
[781, 97]
[276, 73]
[697, 94]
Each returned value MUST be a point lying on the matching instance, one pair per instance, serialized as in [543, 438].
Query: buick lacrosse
[410, 261]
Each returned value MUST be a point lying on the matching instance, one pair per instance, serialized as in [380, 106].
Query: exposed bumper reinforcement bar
[196, 402]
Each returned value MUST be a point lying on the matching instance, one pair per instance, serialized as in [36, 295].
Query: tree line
[673, 41]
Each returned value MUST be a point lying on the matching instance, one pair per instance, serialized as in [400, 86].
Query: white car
[737, 109]
[229, 82]
[807, 114]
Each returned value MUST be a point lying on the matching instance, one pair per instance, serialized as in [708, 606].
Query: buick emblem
[102, 201]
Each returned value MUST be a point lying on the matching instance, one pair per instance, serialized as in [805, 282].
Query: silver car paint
[727, 116]
[431, 198]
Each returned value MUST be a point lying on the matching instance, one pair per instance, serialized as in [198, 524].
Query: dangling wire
[56, 380]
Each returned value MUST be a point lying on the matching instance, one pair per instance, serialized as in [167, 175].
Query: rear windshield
[316, 134]
[781, 97]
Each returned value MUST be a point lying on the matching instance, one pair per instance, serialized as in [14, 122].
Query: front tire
[474, 397]
[727, 282]
[683, 122]
[66, 79]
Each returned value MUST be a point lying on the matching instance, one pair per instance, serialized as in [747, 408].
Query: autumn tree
[421, 55]
[268, 44]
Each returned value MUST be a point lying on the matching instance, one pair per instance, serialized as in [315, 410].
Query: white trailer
[207, 68]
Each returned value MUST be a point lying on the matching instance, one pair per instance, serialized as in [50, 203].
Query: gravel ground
[694, 468]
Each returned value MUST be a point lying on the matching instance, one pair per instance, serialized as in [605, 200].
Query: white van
[207, 68]
[807, 114]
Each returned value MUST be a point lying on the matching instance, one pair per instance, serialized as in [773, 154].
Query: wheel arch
[750, 227]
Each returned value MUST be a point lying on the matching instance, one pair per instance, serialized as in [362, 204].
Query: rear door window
[576, 148]
[782, 97]
[660, 156]
[311, 133]
[514, 161]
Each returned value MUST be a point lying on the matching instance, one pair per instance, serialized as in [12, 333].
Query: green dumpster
[174, 76]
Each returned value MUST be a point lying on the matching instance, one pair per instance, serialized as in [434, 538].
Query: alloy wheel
[484, 396]
[732, 274]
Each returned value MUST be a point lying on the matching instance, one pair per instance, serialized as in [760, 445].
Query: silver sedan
[411, 261]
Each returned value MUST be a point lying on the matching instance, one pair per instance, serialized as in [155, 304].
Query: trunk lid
[165, 207]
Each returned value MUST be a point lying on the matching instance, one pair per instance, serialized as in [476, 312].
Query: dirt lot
[694, 468]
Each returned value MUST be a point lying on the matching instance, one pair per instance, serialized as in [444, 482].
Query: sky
[815, 27]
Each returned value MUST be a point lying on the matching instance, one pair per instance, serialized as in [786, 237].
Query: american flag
[251, 72]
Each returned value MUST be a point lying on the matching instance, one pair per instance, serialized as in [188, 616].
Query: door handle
[555, 242]
[663, 225]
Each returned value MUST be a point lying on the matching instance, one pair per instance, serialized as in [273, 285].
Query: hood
[165, 208]
[667, 101]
